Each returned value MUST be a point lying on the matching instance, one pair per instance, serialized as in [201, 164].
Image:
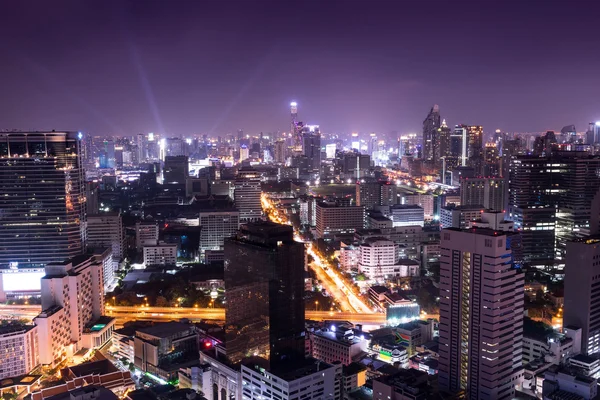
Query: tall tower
[43, 198]
[582, 288]
[481, 314]
[247, 195]
[295, 130]
[431, 135]
[264, 278]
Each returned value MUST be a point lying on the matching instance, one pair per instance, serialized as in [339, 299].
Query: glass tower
[42, 198]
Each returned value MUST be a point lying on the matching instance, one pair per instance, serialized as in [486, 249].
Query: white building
[73, 305]
[561, 385]
[19, 350]
[146, 234]
[481, 314]
[221, 380]
[337, 344]
[405, 215]
[247, 194]
[312, 379]
[106, 231]
[161, 254]
[349, 256]
[459, 216]
[379, 260]
[215, 226]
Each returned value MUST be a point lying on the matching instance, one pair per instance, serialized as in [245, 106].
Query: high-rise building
[215, 227]
[244, 152]
[19, 350]
[106, 231]
[73, 304]
[407, 215]
[264, 279]
[582, 289]
[371, 194]
[176, 170]
[486, 192]
[146, 234]
[332, 219]
[43, 198]
[550, 199]
[459, 145]
[312, 146]
[431, 139]
[481, 314]
[475, 147]
[247, 195]
[279, 156]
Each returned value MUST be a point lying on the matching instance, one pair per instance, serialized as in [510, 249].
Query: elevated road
[124, 314]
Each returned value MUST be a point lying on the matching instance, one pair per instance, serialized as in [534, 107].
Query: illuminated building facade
[215, 227]
[431, 138]
[247, 194]
[264, 279]
[332, 219]
[582, 288]
[72, 305]
[19, 350]
[42, 206]
[481, 314]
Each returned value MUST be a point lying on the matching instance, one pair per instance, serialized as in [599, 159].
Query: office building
[72, 307]
[475, 147]
[163, 348]
[380, 261]
[215, 227]
[146, 234]
[550, 200]
[431, 139]
[244, 153]
[312, 146]
[371, 194]
[336, 343]
[306, 379]
[264, 279]
[47, 227]
[486, 192]
[582, 287]
[407, 215]
[164, 254]
[481, 314]
[355, 165]
[247, 194]
[176, 170]
[425, 201]
[460, 217]
[106, 231]
[332, 219]
[19, 350]
[280, 152]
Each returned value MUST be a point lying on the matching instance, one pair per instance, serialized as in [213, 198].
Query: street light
[316, 305]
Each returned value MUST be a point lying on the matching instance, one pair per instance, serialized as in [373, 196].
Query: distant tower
[431, 124]
[295, 130]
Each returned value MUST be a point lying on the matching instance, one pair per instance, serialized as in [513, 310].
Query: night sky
[188, 67]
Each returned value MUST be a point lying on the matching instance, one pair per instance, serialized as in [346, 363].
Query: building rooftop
[464, 208]
[412, 325]
[341, 335]
[86, 392]
[378, 217]
[165, 329]
[378, 289]
[353, 368]
[405, 207]
[12, 329]
[289, 371]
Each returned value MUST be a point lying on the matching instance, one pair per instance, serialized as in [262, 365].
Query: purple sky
[118, 67]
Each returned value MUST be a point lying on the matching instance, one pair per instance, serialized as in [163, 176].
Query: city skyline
[122, 68]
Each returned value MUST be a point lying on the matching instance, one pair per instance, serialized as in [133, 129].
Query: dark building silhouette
[264, 280]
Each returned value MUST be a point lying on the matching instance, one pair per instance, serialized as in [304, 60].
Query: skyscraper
[371, 194]
[42, 206]
[312, 146]
[247, 195]
[431, 139]
[475, 147]
[486, 192]
[279, 156]
[481, 314]
[582, 288]
[264, 279]
[550, 199]
[295, 125]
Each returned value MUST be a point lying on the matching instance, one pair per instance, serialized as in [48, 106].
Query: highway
[324, 270]
[124, 314]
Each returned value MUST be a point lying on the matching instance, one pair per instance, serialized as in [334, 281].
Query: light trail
[344, 295]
